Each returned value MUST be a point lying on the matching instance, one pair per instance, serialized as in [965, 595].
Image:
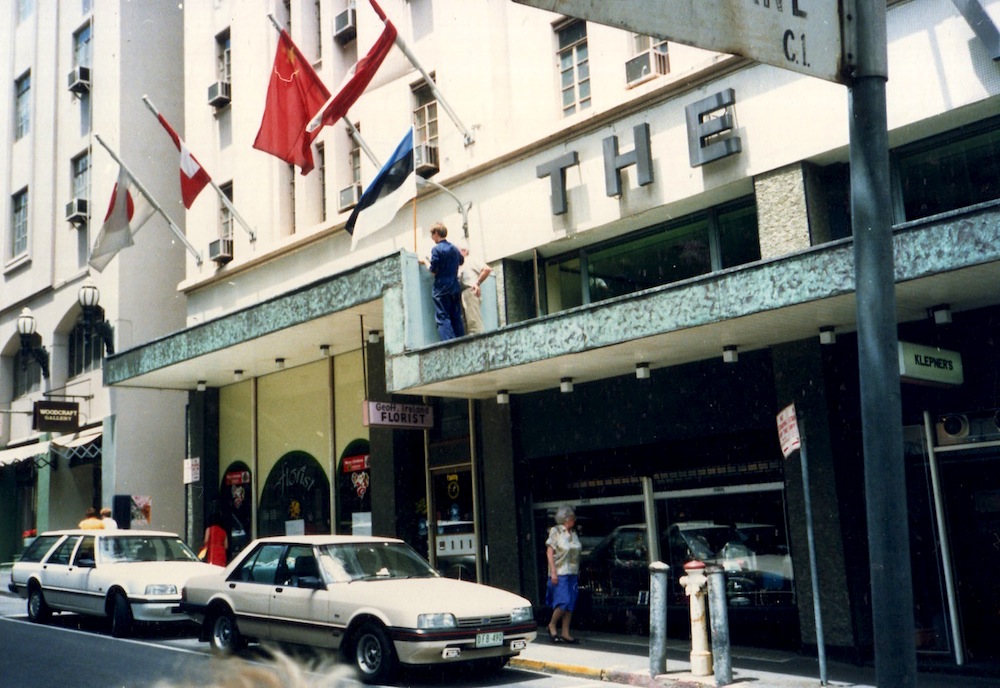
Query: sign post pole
[881, 404]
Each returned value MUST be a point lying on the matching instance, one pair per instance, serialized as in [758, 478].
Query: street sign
[803, 36]
[788, 431]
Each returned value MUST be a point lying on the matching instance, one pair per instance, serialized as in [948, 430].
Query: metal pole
[658, 618]
[813, 563]
[881, 406]
[945, 540]
[718, 616]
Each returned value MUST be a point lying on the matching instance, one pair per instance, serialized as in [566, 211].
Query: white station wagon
[124, 575]
[375, 599]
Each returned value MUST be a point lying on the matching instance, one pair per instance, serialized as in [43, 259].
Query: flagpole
[469, 137]
[156, 206]
[225, 201]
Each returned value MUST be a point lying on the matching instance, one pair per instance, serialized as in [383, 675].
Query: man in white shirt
[471, 274]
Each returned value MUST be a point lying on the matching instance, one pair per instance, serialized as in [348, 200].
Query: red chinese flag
[294, 95]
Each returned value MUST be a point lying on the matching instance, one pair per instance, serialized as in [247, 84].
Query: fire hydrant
[695, 583]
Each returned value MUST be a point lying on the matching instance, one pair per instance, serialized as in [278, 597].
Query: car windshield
[132, 548]
[373, 561]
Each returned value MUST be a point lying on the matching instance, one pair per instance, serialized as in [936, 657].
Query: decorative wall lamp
[31, 342]
[93, 316]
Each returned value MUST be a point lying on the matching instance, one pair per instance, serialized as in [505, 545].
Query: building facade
[76, 72]
[670, 238]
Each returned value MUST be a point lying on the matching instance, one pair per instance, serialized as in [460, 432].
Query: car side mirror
[310, 582]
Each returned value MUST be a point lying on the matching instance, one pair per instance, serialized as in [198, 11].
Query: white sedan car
[125, 575]
[375, 599]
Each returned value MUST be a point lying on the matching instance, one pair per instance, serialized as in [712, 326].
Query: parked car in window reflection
[614, 576]
[375, 599]
[126, 576]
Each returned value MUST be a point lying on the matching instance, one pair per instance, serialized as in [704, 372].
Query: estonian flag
[392, 187]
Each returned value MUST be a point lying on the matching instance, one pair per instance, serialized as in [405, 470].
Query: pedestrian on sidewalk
[91, 520]
[562, 550]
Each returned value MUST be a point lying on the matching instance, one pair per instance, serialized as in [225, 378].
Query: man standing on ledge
[447, 291]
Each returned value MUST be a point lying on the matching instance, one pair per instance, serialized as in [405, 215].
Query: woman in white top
[562, 550]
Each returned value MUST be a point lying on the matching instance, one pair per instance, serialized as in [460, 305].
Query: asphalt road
[77, 652]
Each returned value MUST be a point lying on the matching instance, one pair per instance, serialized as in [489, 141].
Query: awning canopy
[80, 448]
[24, 452]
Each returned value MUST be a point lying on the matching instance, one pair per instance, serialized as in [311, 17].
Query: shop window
[948, 172]
[720, 238]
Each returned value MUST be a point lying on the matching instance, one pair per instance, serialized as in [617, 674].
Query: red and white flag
[358, 78]
[128, 211]
[194, 178]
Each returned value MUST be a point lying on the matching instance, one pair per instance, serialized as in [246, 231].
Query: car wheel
[374, 654]
[224, 635]
[38, 610]
[121, 616]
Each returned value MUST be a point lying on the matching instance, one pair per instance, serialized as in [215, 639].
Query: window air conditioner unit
[425, 160]
[345, 27]
[76, 211]
[646, 66]
[349, 197]
[219, 94]
[79, 80]
[221, 251]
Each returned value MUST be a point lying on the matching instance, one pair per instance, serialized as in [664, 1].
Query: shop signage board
[386, 414]
[56, 416]
[192, 471]
[929, 365]
[788, 431]
[804, 36]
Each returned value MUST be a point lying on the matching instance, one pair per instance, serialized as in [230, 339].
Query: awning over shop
[80, 448]
[24, 452]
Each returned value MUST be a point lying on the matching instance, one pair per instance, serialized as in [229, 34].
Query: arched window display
[354, 497]
[236, 504]
[295, 498]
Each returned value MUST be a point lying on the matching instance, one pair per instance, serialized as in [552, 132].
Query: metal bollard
[694, 582]
[718, 614]
[658, 618]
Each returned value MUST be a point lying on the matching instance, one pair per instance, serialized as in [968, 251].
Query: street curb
[628, 678]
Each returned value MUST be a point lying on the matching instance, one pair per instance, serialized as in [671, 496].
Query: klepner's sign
[929, 365]
[711, 137]
[390, 415]
[803, 36]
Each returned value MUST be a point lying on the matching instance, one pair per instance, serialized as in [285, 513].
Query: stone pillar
[783, 212]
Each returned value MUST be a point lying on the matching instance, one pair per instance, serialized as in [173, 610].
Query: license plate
[489, 639]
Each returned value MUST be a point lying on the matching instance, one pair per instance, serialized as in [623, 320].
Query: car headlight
[436, 621]
[161, 589]
[522, 615]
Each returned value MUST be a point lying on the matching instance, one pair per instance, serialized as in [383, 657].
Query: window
[321, 171]
[24, 9]
[27, 374]
[80, 171]
[82, 48]
[574, 67]
[354, 157]
[225, 214]
[19, 224]
[223, 57]
[87, 6]
[713, 240]
[85, 348]
[22, 106]
[948, 172]
[317, 29]
[425, 116]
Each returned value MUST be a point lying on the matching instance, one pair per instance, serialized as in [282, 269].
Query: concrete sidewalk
[625, 660]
